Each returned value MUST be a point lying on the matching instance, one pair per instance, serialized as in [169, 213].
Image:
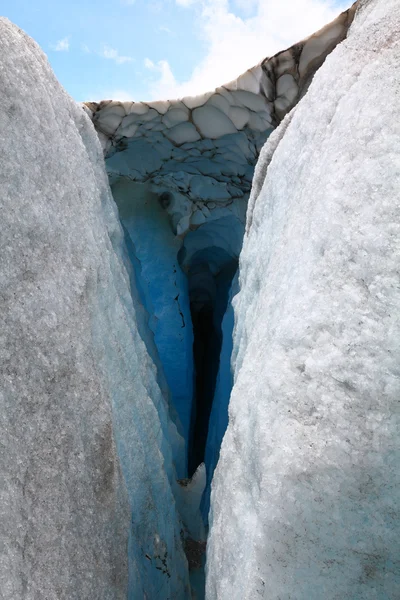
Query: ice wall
[153, 248]
[305, 497]
[180, 173]
[88, 485]
[202, 149]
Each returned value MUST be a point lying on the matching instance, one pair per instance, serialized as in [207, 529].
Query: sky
[159, 49]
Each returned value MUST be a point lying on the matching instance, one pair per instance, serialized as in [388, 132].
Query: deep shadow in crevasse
[208, 294]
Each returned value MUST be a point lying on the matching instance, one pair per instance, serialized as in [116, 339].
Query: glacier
[180, 173]
[181, 273]
[89, 492]
[306, 495]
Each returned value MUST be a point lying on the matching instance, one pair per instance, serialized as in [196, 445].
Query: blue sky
[149, 49]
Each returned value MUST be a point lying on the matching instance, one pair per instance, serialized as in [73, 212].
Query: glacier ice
[153, 249]
[118, 357]
[86, 437]
[305, 498]
[196, 145]
[197, 156]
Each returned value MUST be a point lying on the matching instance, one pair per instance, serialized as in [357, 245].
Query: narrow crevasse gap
[181, 286]
[209, 256]
[218, 421]
[208, 302]
[160, 290]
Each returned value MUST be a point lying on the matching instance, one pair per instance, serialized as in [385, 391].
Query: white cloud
[128, 2]
[113, 54]
[85, 48]
[165, 79]
[165, 29]
[61, 45]
[121, 94]
[247, 5]
[238, 43]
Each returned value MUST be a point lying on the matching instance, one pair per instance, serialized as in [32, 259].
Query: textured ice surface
[159, 142]
[153, 250]
[306, 494]
[85, 459]
[212, 122]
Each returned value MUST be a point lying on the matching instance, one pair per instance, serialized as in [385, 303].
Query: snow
[138, 108]
[250, 81]
[220, 102]
[286, 62]
[192, 102]
[317, 45]
[257, 123]
[286, 86]
[161, 106]
[254, 102]
[306, 493]
[86, 464]
[109, 121]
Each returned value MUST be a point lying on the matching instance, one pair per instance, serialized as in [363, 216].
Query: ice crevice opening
[181, 173]
[210, 269]
[183, 286]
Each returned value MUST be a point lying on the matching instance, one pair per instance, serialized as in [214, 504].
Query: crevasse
[124, 314]
[180, 173]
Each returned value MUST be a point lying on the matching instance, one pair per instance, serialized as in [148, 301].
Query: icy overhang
[199, 152]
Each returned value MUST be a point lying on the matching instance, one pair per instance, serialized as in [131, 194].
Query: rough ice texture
[306, 495]
[85, 461]
[200, 144]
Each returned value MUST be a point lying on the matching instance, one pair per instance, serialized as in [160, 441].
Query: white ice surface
[86, 473]
[306, 495]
